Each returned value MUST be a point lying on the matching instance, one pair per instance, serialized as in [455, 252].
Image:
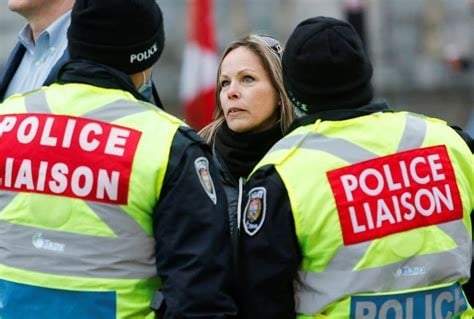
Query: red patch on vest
[66, 156]
[395, 193]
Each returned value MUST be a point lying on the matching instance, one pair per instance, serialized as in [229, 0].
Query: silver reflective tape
[115, 110]
[347, 257]
[69, 254]
[288, 142]
[35, 102]
[457, 231]
[5, 199]
[117, 219]
[315, 290]
[413, 134]
[348, 151]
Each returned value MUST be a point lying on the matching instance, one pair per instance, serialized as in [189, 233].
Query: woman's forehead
[241, 58]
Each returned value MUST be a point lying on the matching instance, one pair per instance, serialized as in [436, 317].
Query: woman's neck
[240, 152]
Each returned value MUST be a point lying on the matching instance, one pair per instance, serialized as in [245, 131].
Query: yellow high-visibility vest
[381, 206]
[81, 171]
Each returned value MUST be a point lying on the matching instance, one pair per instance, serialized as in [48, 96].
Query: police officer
[361, 211]
[108, 206]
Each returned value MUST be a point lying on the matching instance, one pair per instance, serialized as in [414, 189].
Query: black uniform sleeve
[193, 249]
[270, 257]
[468, 287]
[465, 136]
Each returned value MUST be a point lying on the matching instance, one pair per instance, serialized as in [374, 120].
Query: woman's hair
[269, 52]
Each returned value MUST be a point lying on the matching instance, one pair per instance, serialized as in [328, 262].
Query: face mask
[146, 88]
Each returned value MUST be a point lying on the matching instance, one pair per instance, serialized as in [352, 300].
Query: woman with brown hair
[253, 112]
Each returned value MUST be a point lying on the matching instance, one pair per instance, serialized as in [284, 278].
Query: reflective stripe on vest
[36, 103]
[316, 290]
[128, 255]
[413, 136]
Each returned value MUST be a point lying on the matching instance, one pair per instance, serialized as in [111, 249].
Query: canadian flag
[198, 74]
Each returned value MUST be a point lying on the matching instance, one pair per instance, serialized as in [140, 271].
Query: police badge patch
[201, 164]
[254, 213]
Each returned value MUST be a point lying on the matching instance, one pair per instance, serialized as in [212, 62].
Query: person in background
[110, 207]
[41, 48]
[360, 211]
[253, 112]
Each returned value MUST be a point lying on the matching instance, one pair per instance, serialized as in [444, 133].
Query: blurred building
[421, 48]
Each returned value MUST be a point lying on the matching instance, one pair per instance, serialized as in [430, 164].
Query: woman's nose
[233, 91]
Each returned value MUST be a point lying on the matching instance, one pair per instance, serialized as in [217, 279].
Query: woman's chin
[239, 127]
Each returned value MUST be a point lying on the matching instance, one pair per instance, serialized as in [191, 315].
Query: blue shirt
[40, 55]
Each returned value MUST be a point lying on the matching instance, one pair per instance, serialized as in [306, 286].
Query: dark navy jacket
[13, 62]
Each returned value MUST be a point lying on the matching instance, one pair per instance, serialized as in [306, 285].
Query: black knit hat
[326, 67]
[127, 35]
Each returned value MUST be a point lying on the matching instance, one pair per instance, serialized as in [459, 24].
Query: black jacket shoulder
[193, 250]
[465, 136]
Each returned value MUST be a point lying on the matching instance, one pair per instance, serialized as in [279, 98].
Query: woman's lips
[235, 110]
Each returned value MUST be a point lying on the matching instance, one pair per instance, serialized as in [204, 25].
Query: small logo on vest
[201, 165]
[254, 213]
[42, 243]
[145, 55]
[407, 271]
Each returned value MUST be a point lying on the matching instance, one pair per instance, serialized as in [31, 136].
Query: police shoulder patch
[201, 165]
[255, 210]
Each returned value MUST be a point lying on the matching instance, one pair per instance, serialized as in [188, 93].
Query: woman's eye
[224, 83]
[248, 79]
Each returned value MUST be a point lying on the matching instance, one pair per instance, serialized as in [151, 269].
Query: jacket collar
[88, 72]
[222, 167]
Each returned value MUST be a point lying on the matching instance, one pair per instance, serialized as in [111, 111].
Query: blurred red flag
[198, 74]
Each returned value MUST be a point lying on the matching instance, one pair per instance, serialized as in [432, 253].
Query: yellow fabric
[74, 216]
[422, 241]
[312, 202]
